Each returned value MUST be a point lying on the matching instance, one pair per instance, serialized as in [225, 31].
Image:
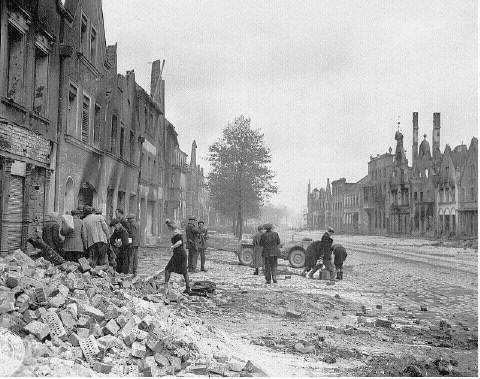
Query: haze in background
[325, 80]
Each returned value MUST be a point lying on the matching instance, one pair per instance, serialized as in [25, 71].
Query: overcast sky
[324, 80]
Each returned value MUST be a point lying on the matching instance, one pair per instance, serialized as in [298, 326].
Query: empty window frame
[85, 119]
[72, 110]
[16, 64]
[132, 146]
[40, 95]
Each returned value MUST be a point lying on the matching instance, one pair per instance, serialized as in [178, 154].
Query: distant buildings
[435, 196]
[75, 132]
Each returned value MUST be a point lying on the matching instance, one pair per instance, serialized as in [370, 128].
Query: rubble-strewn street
[393, 314]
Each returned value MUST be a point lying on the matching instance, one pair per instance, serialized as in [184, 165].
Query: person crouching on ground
[95, 237]
[270, 242]
[312, 255]
[178, 261]
[326, 249]
[340, 254]
[257, 250]
[119, 239]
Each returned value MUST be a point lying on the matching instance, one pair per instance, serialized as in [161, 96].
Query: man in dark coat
[134, 234]
[312, 255]
[340, 254]
[73, 244]
[119, 240]
[326, 251]
[270, 242]
[51, 233]
[192, 235]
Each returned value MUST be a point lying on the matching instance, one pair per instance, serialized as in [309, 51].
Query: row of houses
[434, 196]
[75, 132]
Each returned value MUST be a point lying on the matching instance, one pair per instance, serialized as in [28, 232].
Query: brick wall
[20, 141]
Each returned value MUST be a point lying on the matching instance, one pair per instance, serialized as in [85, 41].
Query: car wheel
[246, 256]
[297, 258]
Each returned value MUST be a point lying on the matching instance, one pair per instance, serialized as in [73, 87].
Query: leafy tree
[241, 177]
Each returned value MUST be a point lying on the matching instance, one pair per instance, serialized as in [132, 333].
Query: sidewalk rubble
[83, 321]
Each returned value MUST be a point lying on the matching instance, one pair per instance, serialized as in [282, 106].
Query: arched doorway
[86, 194]
[69, 198]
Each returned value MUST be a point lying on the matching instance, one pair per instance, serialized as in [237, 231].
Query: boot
[341, 275]
[255, 272]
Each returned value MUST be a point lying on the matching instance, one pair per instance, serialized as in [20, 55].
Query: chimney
[436, 136]
[154, 77]
[415, 139]
[112, 58]
[193, 155]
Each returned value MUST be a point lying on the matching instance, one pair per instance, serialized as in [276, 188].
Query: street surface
[405, 307]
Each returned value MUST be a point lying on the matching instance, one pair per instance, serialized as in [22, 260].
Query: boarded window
[122, 141]
[41, 76]
[85, 118]
[113, 138]
[93, 45]
[97, 123]
[72, 111]
[16, 61]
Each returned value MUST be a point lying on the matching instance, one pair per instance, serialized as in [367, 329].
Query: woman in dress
[178, 261]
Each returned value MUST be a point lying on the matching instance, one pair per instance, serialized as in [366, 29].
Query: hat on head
[201, 222]
[131, 216]
[268, 226]
[330, 230]
[192, 218]
[87, 209]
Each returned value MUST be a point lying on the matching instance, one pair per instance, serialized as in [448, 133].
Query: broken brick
[154, 344]
[138, 350]
[161, 360]
[102, 367]
[11, 282]
[84, 265]
[38, 329]
[383, 322]
[112, 327]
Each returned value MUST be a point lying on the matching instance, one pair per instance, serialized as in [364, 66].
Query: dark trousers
[98, 254]
[201, 252]
[192, 258]
[339, 268]
[271, 269]
[73, 255]
[134, 260]
[124, 259]
[316, 268]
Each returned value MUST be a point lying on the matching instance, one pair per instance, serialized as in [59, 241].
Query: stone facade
[75, 132]
[197, 196]
[435, 196]
[30, 53]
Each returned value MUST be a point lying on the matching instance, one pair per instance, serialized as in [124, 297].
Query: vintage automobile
[293, 251]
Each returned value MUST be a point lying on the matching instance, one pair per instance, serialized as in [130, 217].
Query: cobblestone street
[388, 315]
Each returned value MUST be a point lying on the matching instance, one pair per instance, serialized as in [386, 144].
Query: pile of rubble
[79, 320]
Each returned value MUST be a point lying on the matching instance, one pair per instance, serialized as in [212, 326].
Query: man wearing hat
[192, 235]
[120, 242]
[134, 237]
[95, 234]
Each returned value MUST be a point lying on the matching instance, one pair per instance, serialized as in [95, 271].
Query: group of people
[266, 249]
[85, 233]
[319, 255]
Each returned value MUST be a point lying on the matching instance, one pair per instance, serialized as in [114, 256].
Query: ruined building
[435, 196]
[75, 132]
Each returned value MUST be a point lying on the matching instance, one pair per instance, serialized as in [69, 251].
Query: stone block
[176, 363]
[40, 294]
[423, 308]
[12, 281]
[88, 310]
[112, 327]
[138, 350]
[74, 339]
[148, 371]
[7, 307]
[89, 348]
[154, 344]
[68, 320]
[57, 301]
[121, 320]
[161, 360]
[150, 361]
[55, 324]
[293, 314]
[236, 366]
[102, 368]
[130, 339]
[30, 315]
[217, 368]
[379, 306]
[112, 313]
[383, 322]
[38, 329]
[84, 265]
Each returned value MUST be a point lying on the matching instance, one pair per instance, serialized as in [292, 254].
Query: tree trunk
[240, 223]
[234, 226]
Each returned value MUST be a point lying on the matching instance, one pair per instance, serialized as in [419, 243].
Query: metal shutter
[85, 119]
[14, 218]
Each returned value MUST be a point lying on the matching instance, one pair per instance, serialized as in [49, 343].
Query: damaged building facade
[435, 196]
[74, 131]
